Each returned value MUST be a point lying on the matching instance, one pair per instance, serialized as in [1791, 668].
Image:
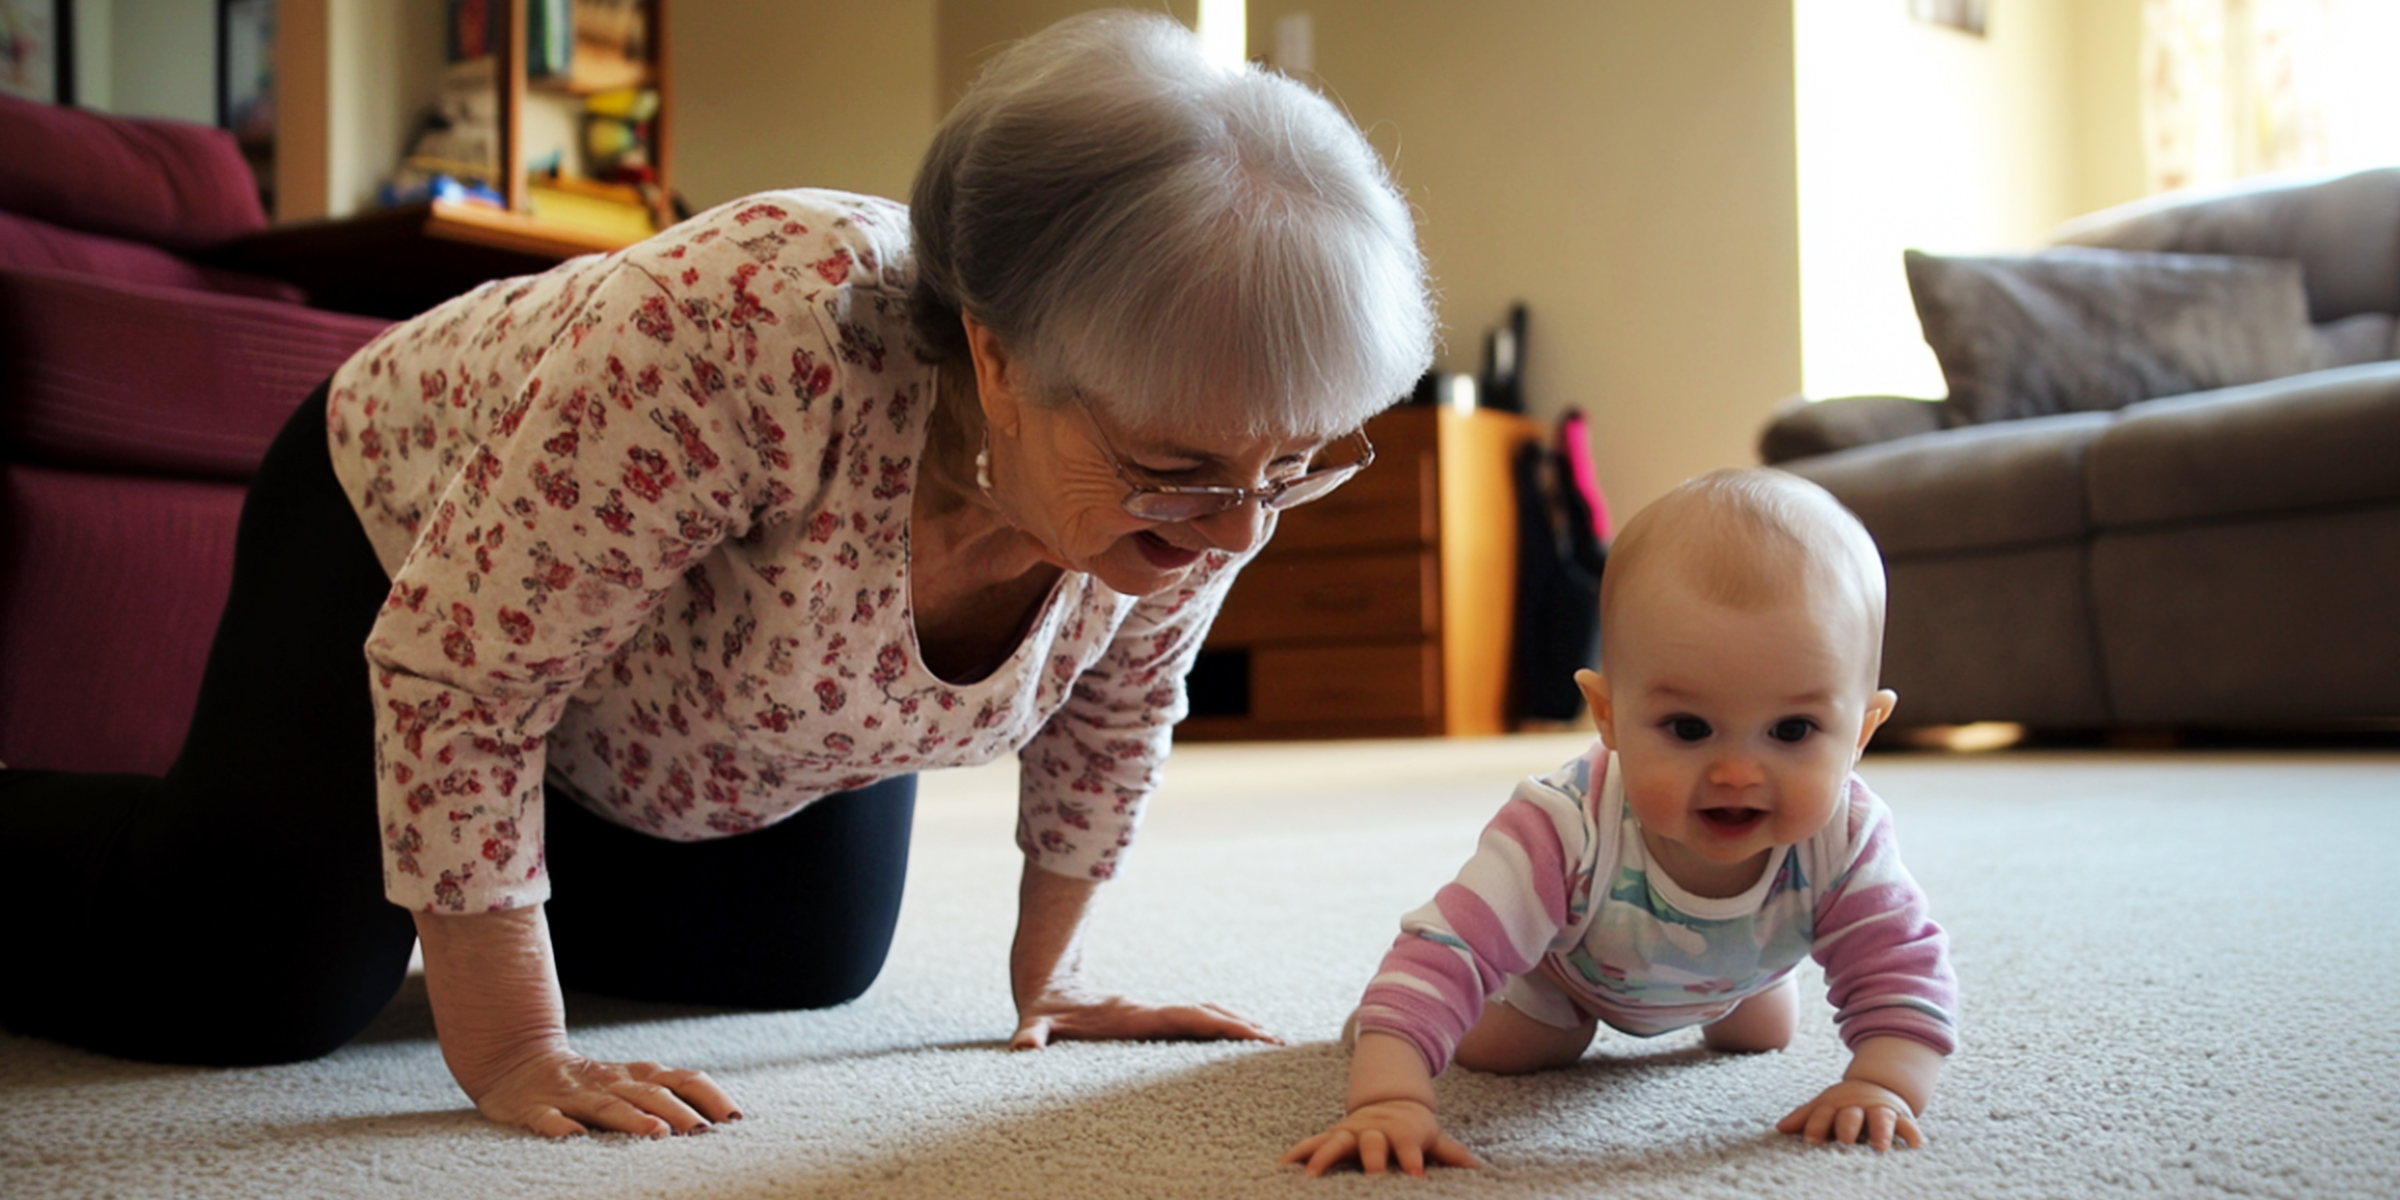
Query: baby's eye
[1792, 729]
[1688, 729]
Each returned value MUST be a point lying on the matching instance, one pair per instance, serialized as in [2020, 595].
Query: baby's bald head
[1747, 538]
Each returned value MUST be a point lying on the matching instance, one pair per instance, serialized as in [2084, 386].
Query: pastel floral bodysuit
[647, 521]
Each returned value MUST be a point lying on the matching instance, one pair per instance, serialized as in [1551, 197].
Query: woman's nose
[1238, 529]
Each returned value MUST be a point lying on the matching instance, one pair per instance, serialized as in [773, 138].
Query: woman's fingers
[1033, 1033]
[1116, 1018]
[549, 1122]
[693, 1088]
[572, 1095]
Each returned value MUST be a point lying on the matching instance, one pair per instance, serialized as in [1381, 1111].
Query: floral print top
[647, 520]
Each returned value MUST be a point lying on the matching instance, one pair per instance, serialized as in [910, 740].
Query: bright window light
[1225, 31]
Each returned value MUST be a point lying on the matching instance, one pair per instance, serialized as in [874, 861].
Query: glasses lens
[1179, 506]
[1312, 486]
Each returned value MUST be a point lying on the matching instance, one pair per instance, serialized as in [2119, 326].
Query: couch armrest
[151, 380]
[166, 183]
[1802, 428]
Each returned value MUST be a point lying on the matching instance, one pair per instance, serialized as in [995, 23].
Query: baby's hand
[1855, 1110]
[1375, 1133]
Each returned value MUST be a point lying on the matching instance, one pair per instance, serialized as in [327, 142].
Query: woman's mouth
[1163, 554]
[1731, 822]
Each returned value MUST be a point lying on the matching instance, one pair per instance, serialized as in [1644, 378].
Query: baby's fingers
[1301, 1150]
[1374, 1151]
[1848, 1124]
[1326, 1150]
[1907, 1131]
[1450, 1152]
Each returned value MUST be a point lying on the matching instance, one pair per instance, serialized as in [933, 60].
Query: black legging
[232, 911]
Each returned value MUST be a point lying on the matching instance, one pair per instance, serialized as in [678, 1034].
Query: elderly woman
[673, 566]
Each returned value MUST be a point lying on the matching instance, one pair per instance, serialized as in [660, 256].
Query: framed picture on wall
[246, 68]
[246, 85]
[37, 53]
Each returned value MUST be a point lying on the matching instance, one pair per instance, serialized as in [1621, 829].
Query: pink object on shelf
[1575, 442]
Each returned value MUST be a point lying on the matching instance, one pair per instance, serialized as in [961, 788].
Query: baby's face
[1736, 728]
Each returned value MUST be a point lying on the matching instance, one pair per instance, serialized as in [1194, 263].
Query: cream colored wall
[1624, 167]
[799, 93]
[969, 30]
[2107, 47]
[1916, 136]
[386, 56]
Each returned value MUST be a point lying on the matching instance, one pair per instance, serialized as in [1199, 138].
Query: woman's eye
[1792, 729]
[1688, 729]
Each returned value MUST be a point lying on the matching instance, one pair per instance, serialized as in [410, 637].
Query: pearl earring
[983, 463]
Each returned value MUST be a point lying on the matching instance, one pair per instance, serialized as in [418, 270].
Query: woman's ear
[998, 376]
[1594, 686]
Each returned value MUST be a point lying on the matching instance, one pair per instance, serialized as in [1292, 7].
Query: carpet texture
[2178, 971]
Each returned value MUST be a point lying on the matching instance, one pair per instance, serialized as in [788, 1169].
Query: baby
[1677, 873]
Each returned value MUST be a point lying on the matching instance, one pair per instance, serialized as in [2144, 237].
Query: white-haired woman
[673, 566]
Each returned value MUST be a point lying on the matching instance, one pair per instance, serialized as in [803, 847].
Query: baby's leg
[1530, 1026]
[1762, 1022]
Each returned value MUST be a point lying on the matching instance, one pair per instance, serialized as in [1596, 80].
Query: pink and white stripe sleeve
[1887, 964]
[1496, 919]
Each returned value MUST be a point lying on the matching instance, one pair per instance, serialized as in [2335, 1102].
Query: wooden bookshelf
[396, 262]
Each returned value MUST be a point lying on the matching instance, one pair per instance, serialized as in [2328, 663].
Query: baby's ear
[1594, 686]
[1879, 710]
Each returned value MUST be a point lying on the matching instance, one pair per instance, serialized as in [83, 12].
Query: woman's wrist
[1047, 957]
[494, 991]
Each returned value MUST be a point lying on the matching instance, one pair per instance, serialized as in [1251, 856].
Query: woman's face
[1073, 470]
[1060, 474]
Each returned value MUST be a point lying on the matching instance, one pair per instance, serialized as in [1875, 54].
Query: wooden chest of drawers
[1383, 610]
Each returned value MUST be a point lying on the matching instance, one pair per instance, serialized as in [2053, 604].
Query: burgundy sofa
[138, 389]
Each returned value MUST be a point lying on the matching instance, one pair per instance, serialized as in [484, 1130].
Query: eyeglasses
[1156, 502]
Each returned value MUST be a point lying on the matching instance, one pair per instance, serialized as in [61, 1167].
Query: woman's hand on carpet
[1378, 1134]
[1854, 1111]
[1071, 1013]
[560, 1093]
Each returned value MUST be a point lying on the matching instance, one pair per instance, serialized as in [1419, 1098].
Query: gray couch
[2223, 557]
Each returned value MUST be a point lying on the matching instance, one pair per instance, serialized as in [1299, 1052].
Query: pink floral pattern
[646, 516]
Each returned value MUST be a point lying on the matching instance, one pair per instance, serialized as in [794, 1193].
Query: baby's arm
[1886, 1087]
[1391, 1115]
[1887, 971]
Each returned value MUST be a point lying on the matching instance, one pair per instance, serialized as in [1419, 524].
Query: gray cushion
[2360, 338]
[2323, 440]
[2343, 230]
[1991, 486]
[1804, 428]
[2079, 330]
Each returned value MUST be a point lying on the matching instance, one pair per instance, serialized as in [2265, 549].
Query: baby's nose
[1737, 772]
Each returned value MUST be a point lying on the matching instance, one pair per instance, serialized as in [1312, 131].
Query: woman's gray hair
[1195, 246]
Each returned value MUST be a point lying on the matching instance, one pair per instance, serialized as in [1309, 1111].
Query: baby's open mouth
[1729, 821]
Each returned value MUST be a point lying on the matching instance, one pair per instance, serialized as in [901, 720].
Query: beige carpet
[2181, 970]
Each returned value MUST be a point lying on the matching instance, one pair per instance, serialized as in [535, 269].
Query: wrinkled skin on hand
[559, 1093]
[1072, 1012]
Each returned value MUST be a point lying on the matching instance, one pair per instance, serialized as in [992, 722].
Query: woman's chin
[1144, 564]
